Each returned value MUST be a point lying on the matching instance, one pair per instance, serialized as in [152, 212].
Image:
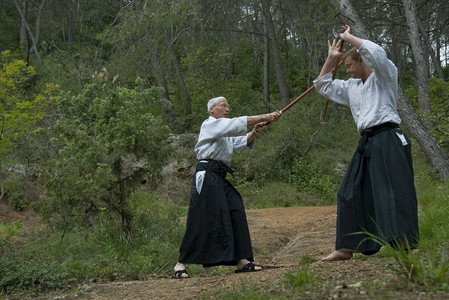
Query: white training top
[219, 138]
[373, 102]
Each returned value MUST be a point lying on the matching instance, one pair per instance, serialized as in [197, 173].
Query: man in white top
[217, 230]
[377, 194]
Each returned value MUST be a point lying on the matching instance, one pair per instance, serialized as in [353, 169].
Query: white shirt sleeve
[219, 138]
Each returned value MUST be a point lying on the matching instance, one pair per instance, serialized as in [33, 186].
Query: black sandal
[249, 267]
[178, 274]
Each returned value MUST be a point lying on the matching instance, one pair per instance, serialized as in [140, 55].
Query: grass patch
[302, 280]
[274, 194]
[46, 261]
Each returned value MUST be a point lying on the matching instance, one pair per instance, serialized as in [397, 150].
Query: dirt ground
[281, 238]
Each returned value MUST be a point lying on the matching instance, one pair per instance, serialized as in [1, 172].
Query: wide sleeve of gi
[218, 138]
[376, 58]
[332, 89]
[223, 127]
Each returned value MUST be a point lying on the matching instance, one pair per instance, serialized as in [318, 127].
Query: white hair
[214, 101]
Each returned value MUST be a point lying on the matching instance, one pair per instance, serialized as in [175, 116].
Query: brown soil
[283, 238]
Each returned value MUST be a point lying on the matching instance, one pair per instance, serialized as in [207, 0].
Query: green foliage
[106, 142]
[23, 102]
[12, 184]
[152, 215]
[439, 95]
[44, 261]
[433, 202]
[20, 106]
[8, 26]
[445, 71]
[9, 231]
[298, 161]
[273, 194]
[308, 178]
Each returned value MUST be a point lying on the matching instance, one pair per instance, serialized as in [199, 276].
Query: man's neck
[366, 74]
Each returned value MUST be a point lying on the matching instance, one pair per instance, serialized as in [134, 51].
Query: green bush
[308, 177]
[105, 142]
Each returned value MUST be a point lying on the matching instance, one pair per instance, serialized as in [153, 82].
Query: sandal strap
[249, 266]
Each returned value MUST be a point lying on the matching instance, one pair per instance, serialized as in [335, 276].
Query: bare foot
[338, 255]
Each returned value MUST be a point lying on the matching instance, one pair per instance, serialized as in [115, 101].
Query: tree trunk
[421, 69]
[435, 61]
[70, 21]
[179, 75]
[31, 36]
[266, 74]
[283, 90]
[37, 31]
[24, 41]
[1, 9]
[124, 210]
[432, 150]
[164, 95]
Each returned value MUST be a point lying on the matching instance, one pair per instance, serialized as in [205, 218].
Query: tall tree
[159, 73]
[422, 65]
[432, 150]
[266, 74]
[34, 37]
[271, 33]
[428, 42]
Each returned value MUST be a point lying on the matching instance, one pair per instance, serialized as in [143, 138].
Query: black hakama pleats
[378, 194]
[217, 230]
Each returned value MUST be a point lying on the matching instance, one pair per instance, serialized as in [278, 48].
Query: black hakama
[217, 230]
[378, 193]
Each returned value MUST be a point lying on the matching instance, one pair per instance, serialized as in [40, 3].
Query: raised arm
[349, 38]
[333, 54]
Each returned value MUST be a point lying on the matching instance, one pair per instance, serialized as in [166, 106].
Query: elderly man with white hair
[217, 231]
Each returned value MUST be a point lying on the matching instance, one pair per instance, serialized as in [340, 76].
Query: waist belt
[370, 132]
[216, 166]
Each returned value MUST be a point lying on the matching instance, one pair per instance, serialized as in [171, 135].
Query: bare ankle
[338, 255]
[179, 266]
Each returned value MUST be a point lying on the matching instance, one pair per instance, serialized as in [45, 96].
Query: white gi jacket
[373, 102]
[219, 138]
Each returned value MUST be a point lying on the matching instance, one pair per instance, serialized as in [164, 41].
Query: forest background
[101, 101]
